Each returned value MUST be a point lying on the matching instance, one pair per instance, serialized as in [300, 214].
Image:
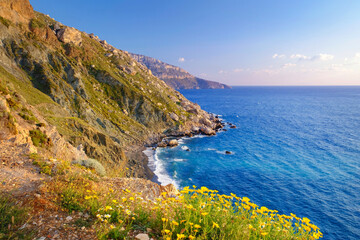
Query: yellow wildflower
[197, 226]
[175, 223]
[215, 225]
[181, 236]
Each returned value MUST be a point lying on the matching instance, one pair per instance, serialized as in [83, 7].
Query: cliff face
[19, 11]
[174, 76]
[97, 97]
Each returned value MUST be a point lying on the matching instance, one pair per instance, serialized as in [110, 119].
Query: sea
[294, 149]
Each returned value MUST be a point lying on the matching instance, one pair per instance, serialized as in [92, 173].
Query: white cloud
[181, 59]
[237, 70]
[320, 57]
[323, 57]
[288, 65]
[222, 72]
[278, 56]
[355, 60]
[300, 57]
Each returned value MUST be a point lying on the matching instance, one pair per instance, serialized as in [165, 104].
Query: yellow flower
[164, 219]
[215, 225]
[112, 226]
[245, 199]
[204, 213]
[107, 208]
[264, 233]
[175, 223]
[166, 231]
[191, 237]
[197, 226]
[181, 236]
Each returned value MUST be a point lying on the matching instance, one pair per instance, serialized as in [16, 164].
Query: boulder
[173, 143]
[195, 129]
[142, 236]
[162, 144]
[207, 131]
[206, 122]
[227, 152]
[174, 117]
[69, 35]
[232, 126]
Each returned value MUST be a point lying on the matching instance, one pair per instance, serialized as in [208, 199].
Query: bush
[92, 164]
[40, 139]
[35, 23]
[12, 217]
[5, 21]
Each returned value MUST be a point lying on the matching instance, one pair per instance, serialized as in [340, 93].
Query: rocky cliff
[174, 76]
[68, 86]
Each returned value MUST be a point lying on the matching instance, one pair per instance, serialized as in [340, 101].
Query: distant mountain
[176, 77]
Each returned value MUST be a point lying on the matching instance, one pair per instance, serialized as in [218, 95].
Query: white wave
[179, 160]
[157, 166]
[184, 148]
[211, 149]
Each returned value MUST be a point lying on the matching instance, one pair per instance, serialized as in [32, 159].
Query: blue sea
[295, 149]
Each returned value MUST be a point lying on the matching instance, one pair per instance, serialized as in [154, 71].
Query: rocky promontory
[176, 77]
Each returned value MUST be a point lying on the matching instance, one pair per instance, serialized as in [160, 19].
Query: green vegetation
[11, 124]
[92, 164]
[44, 166]
[5, 21]
[28, 116]
[36, 23]
[194, 213]
[39, 138]
[12, 217]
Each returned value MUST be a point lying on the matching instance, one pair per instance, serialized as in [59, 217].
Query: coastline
[154, 164]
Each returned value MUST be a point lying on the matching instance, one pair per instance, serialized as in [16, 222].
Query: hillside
[97, 97]
[174, 76]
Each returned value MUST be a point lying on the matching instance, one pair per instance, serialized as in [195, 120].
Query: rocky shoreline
[210, 127]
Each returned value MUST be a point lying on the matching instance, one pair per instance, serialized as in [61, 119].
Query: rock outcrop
[174, 76]
[18, 11]
[69, 35]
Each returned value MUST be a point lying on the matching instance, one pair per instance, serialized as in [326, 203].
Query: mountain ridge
[174, 76]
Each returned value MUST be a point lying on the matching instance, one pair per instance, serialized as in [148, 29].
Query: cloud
[237, 70]
[181, 59]
[278, 56]
[222, 72]
[323, 57]
[300, 57]
[317, 57]
[288, 65]
[355, 60]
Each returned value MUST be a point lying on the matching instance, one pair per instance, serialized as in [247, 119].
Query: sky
[254, 42]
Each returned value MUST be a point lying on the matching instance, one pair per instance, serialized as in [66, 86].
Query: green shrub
[5, 21]
[35, 23]
[40, 139]
[44, 166]
[12, 216]
[92, 164]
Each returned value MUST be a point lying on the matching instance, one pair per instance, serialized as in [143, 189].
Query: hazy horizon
[233, 42]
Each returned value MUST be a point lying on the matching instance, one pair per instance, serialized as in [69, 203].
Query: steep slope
[174, 76]
[96, 96]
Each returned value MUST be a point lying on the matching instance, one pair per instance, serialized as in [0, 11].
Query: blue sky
[308, 42]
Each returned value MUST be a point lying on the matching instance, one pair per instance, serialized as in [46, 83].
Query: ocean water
[295, 149]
